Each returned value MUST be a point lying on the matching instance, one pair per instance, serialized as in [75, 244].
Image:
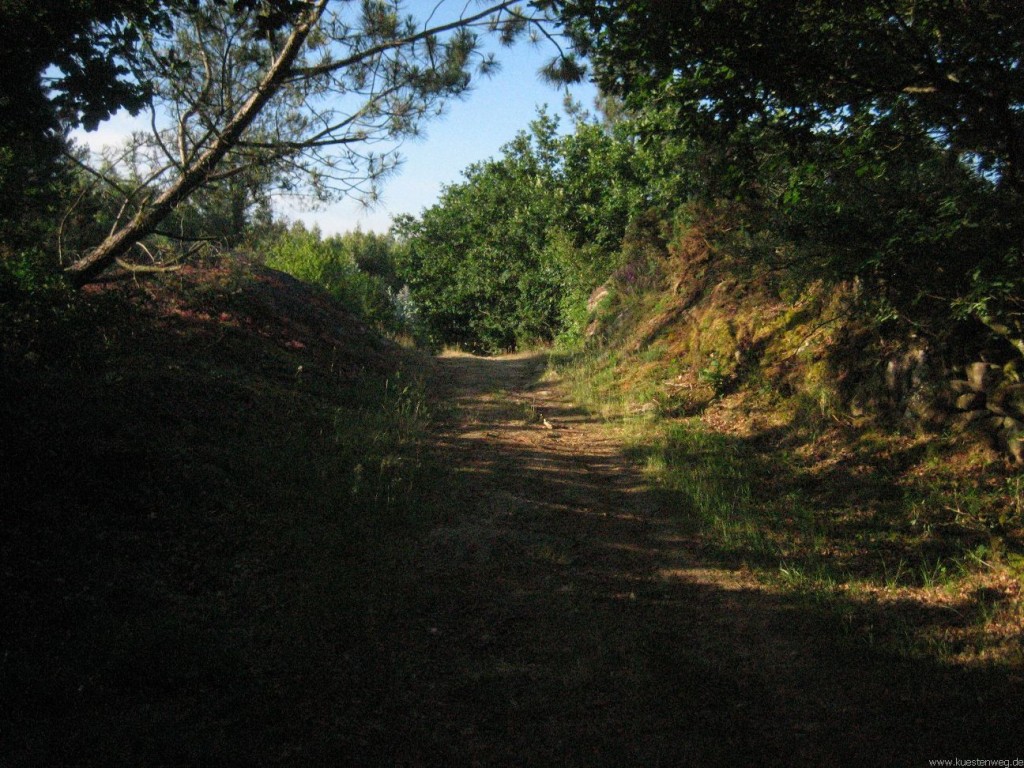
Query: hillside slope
[817, 445]
[204, 474]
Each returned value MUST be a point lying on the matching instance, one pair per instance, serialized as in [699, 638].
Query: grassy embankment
[729, 394]
[211, 481]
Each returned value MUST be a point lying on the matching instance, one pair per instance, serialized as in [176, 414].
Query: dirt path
[565, 615]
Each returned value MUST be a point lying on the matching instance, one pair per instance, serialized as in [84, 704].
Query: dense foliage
[873, 141]
[357, 269]
[508, 256]
[951, 68]
[881, 140]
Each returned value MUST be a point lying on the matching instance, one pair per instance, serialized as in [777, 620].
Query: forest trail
[565, 614]
[249, 542]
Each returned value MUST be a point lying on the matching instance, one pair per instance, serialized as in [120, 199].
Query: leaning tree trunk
[122, 240]
[199, 171]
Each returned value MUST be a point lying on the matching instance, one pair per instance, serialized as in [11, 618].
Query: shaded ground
[201, 475]
[221, 544]
[566, 615]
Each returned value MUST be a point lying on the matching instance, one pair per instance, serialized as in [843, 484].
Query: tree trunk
[193, 176]
[118, 243]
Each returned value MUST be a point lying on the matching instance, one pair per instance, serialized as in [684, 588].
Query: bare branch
[376, 50]
[116, 186]
[157, 138]
[193, 108]
[266, 113]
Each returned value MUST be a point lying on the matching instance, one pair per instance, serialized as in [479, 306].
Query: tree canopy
[508, 256]
[63, 64]
[309, 96]
[951, 68]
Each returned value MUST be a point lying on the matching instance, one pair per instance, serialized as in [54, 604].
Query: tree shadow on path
[565, 613]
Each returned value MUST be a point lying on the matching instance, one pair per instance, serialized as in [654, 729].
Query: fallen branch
[138, 269]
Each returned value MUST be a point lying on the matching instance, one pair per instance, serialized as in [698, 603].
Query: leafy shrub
[508, 257]
[334, 264]
[25, 273]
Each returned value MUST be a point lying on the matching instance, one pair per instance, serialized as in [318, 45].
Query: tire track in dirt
[565, 613]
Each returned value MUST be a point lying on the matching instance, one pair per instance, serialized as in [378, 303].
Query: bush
[333, 263]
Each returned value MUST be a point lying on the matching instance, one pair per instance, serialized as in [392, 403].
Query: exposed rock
[922, 412]
[961, 387]
[990, 406]
[961, 422]
[1011, 437]
[1009, 425]
[1008, 400]
[982, 375]
[990, 427]
[918, 389]
[970, 401]
[895, 378]
[1015, 447]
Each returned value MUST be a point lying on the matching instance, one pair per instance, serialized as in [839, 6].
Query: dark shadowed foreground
[227, 544]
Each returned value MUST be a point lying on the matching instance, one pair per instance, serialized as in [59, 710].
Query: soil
[566, 614]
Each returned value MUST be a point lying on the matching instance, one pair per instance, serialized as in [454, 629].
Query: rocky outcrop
[919, 393]
[983, 400]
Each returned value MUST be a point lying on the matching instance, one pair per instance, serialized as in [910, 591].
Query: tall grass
[382, 435]
[914, 527]
[713, 482]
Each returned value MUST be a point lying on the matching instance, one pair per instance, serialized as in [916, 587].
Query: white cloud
[111, 133]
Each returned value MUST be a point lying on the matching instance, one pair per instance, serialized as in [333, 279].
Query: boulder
[1015, 447]
[1007, 400]
[1011, 436]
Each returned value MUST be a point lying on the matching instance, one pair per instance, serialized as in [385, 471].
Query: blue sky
[472, 129]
